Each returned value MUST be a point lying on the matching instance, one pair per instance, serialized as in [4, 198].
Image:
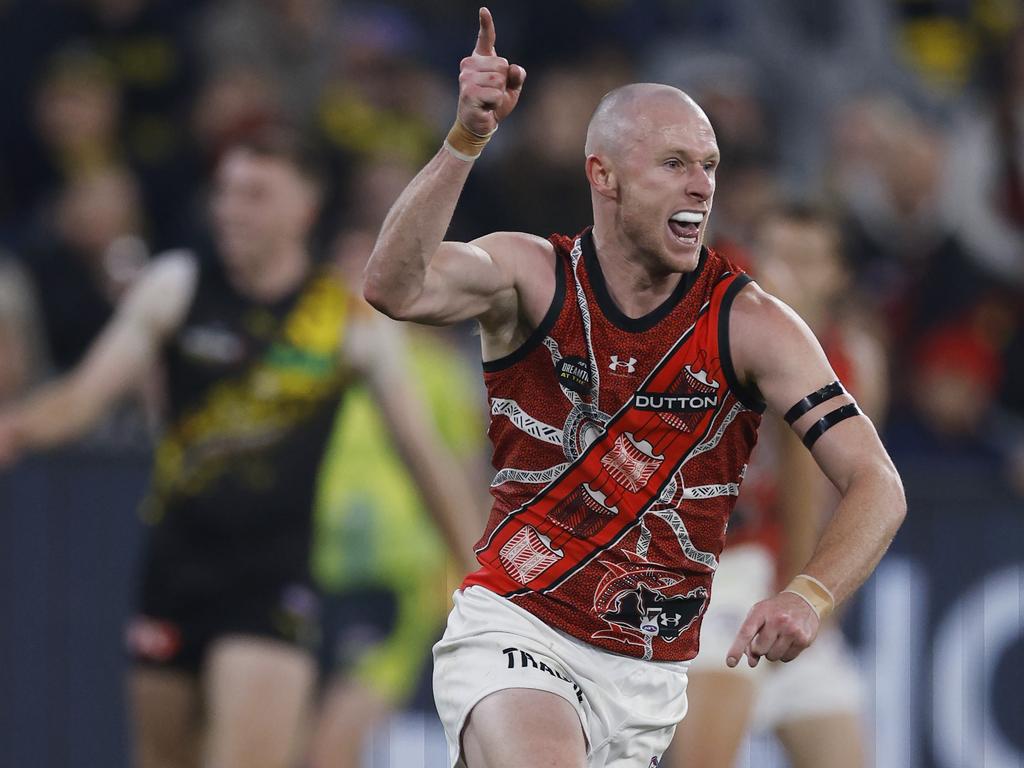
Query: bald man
[627, 369]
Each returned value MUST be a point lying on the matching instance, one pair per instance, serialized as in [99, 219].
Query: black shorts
[190, 598]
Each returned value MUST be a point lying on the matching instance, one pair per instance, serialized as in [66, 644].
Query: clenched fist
[489, 86]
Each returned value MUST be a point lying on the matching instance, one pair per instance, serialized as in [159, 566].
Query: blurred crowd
[904, 119]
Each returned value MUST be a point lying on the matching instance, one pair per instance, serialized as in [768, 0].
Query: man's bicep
[479, 279]
[462, 282]
[779, 354]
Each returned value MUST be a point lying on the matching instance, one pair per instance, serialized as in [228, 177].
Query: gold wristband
[814, 593]
[464, 143]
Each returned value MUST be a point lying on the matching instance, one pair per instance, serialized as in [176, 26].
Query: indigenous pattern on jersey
[253, 391]
[620, 446]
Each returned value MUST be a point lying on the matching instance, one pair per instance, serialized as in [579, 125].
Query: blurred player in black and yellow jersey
[259, 347]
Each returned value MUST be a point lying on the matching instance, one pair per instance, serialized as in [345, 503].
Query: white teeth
[688, 217]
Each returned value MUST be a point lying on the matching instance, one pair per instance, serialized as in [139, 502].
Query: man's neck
[633, 284]
[274, 278]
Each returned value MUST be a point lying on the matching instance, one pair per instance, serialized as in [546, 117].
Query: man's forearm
[860, 531]
[412, 232]
[50, 417]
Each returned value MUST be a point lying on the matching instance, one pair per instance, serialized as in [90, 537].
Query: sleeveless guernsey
[620, 446]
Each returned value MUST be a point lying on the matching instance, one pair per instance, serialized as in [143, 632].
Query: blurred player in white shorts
[814, 704]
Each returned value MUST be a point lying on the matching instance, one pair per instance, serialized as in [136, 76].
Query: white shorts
[745, 575]
[823, 680]
[629, 708]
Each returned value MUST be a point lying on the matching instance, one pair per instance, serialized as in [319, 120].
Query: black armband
[835, 389]
[829, 420]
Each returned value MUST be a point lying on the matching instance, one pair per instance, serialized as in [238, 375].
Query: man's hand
[489, 86]
[778, 628]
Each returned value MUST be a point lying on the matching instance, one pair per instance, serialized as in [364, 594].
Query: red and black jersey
[620, 445]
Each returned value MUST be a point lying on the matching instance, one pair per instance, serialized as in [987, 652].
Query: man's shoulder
[520, 246]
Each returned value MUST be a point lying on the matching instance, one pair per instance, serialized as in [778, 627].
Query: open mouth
[685, 225]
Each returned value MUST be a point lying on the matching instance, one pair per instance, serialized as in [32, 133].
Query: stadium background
[906, 116]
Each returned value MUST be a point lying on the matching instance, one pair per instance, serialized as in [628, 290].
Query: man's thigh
[258, 693]
[517, 728]
[622, 706]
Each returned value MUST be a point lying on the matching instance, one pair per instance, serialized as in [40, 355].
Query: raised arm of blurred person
[376, 348]
[125, 350]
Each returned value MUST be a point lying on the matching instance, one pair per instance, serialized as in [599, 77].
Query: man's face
[666, 175]
[260, 205]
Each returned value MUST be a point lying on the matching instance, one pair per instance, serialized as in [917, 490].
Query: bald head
[626, 115]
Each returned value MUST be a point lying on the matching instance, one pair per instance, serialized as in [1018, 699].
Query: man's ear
[602, 177]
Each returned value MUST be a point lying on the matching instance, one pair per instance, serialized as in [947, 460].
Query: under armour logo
[616, 364]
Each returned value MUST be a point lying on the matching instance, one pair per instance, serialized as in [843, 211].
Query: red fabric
[576, 554]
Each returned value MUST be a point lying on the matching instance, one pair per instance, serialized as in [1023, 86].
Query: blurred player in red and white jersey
[814, 703]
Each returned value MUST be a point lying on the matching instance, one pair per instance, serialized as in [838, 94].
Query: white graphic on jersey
[527, 555]
[711, 491]
[675, 522]
[523, 421]
[583, 426]
[715, 439]
[630, 463]
[669, 492]
[710, 385]
[528, 476]
[581, 300]
[616, 364]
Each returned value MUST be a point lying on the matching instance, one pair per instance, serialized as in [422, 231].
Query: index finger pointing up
[485, 38]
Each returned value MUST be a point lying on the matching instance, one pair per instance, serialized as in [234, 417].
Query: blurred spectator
[986, 185]
[74, 116]
[232, 102]
[22, 356]
[77, 111]
[90, 256]
[942, 42]
[147, 45]
[292, 41]
[378, 100]
[888, 176]
[956, 377]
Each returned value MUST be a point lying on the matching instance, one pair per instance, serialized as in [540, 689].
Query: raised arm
[412, 274]
[775, 351]
[124, 351]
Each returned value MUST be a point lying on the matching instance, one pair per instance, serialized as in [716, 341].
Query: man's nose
[699, 184]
